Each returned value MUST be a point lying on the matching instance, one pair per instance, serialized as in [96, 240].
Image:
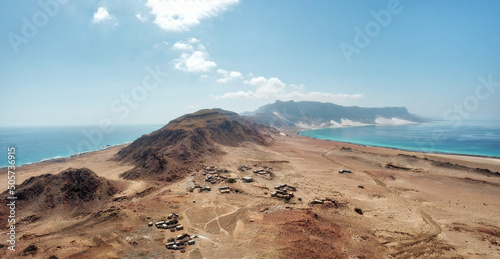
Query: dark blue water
[481, 138]
[35, 144]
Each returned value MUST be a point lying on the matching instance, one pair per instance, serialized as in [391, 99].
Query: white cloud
[201, 47]
[182, 46]
[267, 87]
[193, 40]
[228, 75]
[175, 15]
[101, 15]
[141, 17]
[273, 88]
[194, 62]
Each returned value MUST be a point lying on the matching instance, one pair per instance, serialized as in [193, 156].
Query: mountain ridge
[316, 114]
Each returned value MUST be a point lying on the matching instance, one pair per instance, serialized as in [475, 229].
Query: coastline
[92, 159]
[408, 150]
[460, 159]
[60, 158]
[37, 143]
[299, 131]
[290, 131]
[109, 152]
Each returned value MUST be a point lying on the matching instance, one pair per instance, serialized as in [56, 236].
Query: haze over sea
[480, 138]
[35, 144]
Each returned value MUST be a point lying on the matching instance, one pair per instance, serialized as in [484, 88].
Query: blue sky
[65, 62]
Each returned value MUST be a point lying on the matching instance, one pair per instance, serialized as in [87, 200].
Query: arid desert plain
[393, 204]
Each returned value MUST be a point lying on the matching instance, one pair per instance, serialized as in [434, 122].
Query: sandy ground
[414, 205]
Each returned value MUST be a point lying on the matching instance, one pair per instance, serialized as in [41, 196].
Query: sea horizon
[35, 144]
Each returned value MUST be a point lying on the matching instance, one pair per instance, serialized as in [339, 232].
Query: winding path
[435, 229]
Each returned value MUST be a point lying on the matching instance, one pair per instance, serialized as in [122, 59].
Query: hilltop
[184, 143]
[73, 191]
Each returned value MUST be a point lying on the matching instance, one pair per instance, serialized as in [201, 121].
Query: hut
[247, 179]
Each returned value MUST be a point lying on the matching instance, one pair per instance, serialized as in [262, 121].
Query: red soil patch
[303, 234]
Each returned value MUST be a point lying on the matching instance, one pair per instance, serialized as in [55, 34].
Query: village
[225, 182]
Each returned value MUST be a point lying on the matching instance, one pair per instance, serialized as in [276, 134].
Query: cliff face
[185, 142]
[283, 114]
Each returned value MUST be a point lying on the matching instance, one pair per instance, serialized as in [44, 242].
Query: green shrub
[230, 180]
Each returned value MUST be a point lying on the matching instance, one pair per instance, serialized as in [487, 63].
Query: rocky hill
[319, 115]
[71, 191]
[184, 143]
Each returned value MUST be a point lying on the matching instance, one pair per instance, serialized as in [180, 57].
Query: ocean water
[35, 144]
[481, 138]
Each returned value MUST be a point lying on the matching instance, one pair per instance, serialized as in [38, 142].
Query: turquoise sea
[480, 138]
[35, 144]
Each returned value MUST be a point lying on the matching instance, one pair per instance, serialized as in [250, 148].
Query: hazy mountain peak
[321, 115]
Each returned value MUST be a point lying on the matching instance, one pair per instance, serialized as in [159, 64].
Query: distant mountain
[184, 143]
[320, 115]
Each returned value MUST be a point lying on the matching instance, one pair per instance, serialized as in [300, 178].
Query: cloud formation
[195, 59]
[228, 75]
[141, 17]
[273, 88]
[101, 15]
[195, 62]
[175, 15]
[182, 46]
[192, 60]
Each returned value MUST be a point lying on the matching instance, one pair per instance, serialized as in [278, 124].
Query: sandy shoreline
[296, 131]
[493, 158]
[465, 157]
[108, 152]
[414, 205]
